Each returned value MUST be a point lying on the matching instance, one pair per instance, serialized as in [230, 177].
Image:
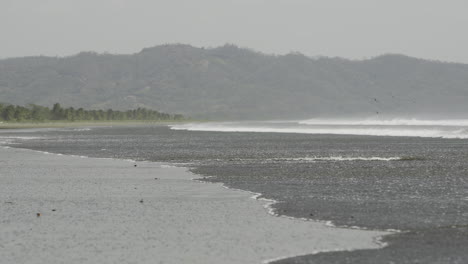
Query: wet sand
[108, 211]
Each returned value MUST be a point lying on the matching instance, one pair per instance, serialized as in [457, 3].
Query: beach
[70, 209]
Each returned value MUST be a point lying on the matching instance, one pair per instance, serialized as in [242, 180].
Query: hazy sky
[434, 29]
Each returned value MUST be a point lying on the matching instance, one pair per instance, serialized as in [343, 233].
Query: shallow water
[108, 211]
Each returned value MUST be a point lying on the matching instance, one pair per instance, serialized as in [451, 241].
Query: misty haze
[234, 83]
[233, 131]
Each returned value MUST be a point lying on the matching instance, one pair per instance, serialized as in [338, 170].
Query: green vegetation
[36, 113]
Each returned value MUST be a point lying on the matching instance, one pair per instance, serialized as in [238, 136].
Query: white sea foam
[167, 166]
[82, 129]
[10, 140]
[316, 159]
[17, 137]
[399, 128]
[386, 122]
[341, 158]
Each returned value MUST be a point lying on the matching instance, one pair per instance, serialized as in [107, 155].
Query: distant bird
[134, 165]
[38, 214]
[141, 201]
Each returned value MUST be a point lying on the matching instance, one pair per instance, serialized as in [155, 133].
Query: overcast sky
[434, 29]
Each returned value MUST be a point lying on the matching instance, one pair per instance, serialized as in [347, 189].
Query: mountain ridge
[229, 82]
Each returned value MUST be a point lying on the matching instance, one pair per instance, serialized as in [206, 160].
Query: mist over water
[387, 122]
[449, 128]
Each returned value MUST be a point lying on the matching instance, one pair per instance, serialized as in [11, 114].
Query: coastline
[77, 124]
[189, 211]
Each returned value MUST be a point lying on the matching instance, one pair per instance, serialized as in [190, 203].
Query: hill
[234, 83]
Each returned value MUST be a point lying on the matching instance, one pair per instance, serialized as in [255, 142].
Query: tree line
[37, 113]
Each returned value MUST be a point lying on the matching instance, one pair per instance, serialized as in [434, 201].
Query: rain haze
[331, 131]
[352, 29]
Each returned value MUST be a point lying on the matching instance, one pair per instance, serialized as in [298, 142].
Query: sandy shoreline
[107, 211]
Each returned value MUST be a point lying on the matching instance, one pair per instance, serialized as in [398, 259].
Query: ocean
[408, 175]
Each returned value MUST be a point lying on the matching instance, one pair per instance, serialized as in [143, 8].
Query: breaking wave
[394, 127]
[331, 158]
[388, 122]
[341, 158]
[10, 140]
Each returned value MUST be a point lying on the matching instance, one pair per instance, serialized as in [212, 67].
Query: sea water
[402, 174]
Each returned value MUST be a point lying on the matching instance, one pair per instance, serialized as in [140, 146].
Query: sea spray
[397, 128]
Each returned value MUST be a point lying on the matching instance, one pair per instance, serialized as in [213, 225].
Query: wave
[341, 158]
[74, 129]
[437, 130]
[18, 137]
[82, 129]
[318, 159]
[13, 140]
[388, 122]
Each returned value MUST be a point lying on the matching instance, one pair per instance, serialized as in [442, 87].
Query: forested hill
[233, 83]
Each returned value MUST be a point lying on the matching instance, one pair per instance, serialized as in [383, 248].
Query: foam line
[387, 122]
[364, 130]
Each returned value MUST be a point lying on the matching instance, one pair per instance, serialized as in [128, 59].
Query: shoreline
[338, 238]
[76, 124]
